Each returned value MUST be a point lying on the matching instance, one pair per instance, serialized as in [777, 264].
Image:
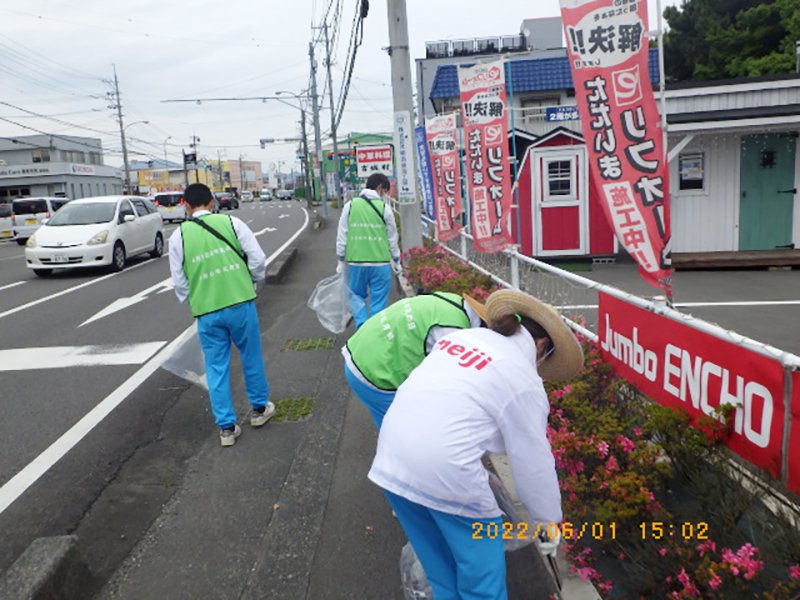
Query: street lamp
[125, 155]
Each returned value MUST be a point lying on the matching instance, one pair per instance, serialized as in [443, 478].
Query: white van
[27, 215]
[6, 228]
[170, 206]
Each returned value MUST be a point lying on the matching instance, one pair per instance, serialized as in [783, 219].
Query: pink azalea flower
[637, 431]
[602, 449]
[715, 581]
[794, 572]
[708, 546]
[684, 578]
[663, 551]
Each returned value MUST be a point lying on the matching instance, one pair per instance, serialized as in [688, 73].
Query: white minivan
[6, 228]
[28, 214]
[170, 206]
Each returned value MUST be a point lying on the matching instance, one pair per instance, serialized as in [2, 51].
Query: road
[74, 344]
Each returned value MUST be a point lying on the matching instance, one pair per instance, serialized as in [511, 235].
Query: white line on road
[17, 485]
[61, 357]
[123, 303]
[702, 304]
[12, 311]
[250, 221]
[10, 285]
[20, 257]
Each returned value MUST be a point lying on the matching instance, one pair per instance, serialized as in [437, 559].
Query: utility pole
[127, 188]
[317, 136]
[337, 193]
[308, 179]
[410, 214]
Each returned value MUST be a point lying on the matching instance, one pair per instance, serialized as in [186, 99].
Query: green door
[767, 182]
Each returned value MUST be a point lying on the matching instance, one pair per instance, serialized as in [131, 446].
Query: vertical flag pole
[514, 159]
[662, 88]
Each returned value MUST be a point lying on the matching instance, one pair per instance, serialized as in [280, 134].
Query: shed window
[692, 171]
[559, 180]
[41, 155]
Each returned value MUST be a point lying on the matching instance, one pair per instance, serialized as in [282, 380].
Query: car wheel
[158, 247]
[22, 242]
[43, 272]
[236, 206]
[118, 257]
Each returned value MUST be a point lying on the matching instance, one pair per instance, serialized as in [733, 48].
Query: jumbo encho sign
[678, 366]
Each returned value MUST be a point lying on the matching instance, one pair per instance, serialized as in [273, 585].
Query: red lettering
[456, 349]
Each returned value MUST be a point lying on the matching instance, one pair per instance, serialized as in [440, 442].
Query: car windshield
[5, 210]
[30, 207]
[168, 199]
[83, 214]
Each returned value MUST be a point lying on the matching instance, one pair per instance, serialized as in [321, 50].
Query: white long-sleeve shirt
[256, 259]
[388, 218]
[477, 392]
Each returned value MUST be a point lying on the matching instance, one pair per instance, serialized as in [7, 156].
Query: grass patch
[293, 409]
[300, 344]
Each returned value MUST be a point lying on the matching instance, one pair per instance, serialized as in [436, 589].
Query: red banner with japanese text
[608, 54]
[484, 116]
[442, 137]
[794, 435]
[679, 366]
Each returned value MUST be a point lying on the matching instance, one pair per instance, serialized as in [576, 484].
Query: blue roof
[529, 75]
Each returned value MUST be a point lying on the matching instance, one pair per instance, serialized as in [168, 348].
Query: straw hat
[567, 359]
[479, 308]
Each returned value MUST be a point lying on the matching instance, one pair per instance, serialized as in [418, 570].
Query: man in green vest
[384, 351]
[215, 260]
[367, 241]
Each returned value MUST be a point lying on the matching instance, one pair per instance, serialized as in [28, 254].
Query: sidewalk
[288, 512]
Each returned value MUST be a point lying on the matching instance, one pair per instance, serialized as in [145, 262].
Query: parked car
[92, 232]
[227, 200]
[266, 196]
[247, 196]
[284, 194]
[6, 227]
[28, 214]
[170, 206]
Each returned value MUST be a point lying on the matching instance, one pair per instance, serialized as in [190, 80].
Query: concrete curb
[277, 270]
[50, 569]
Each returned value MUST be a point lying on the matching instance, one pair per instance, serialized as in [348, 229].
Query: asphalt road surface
[73, 347]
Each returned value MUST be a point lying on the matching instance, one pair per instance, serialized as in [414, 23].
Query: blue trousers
[458, 566]
[377, 401]
[375, 282]
[216, 331]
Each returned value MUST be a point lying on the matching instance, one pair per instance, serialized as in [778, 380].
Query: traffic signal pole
[410, 214]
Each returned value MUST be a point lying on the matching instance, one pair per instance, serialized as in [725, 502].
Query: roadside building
[56, 166]
[734, 165]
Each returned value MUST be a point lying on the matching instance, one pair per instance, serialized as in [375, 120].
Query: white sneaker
[258, 419]
[228, 437]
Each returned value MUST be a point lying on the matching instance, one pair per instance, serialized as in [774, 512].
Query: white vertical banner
[404, 159]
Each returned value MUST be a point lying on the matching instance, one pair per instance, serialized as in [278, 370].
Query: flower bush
[650, 508]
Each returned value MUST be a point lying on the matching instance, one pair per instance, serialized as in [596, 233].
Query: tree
[720, 39]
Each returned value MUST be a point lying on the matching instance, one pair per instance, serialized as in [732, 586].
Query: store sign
[608, 52]
[562, 113]
[374, 159]
[404, 142]
[82, 169]
[25, 171]
[425, 176]
[681, 367]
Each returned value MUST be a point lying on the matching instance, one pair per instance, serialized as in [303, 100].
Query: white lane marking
[20, 257]
[10, 285]
[283, 216]
[250, 221]
[123, 303]
[265, 230]
[12, 311]
[61, 357]
[17, 485]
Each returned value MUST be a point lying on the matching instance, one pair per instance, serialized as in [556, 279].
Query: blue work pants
[377, 401]
[372, 281]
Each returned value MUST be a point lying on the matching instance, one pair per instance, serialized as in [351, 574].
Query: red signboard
[442, 136]
[484, 115]
[608, 53]
[374, 159]
[682, 367]
[794, 435]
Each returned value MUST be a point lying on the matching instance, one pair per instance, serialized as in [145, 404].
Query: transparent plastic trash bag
[187, 360]
[412, 576]
[333, 301]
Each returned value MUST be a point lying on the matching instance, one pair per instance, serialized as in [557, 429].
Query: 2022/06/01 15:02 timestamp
[574, 531]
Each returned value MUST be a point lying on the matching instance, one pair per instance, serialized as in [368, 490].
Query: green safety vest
[367, 238]
[218, 277]
[389, 345]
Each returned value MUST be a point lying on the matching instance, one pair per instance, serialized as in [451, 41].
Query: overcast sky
[56, 58]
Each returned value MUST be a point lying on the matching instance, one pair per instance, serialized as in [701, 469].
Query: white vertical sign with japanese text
[404, 144]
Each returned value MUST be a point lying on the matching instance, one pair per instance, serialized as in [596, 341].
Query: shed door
[767, 181]
[561, 201]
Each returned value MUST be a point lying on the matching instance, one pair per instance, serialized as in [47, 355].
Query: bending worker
[367, 240]
[382, 353]
[478, 391]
